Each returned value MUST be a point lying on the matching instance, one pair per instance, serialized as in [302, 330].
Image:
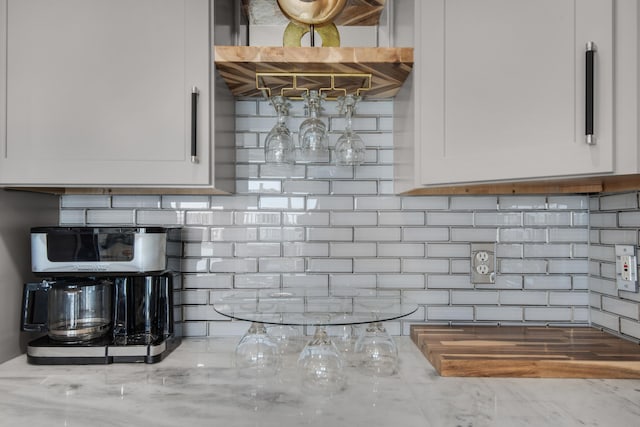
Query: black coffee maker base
[45, 351]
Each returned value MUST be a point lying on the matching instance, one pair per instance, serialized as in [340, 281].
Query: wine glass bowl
[350, 149]
[376, 351]
[312, 134]
[257, 355]
[279, 147]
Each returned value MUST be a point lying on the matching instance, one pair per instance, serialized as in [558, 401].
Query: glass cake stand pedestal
[320, 363]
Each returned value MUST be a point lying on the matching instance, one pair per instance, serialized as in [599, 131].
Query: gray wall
[18, 212]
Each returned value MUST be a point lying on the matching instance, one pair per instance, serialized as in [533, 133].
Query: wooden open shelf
[388, 68]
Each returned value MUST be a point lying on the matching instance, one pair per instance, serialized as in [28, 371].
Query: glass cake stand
[320, 363]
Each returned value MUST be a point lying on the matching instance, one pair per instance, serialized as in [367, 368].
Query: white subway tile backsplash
[290, 203]
[450, 313]
[235, 202]
[425, 203]
[303, 249]
[378, 203]
[449, 218]
[329, 234]
[251, 249]
[629, 219]
[426, 297]
[437, 281]
[619, 202]
[622, 308]
[233, 265]
[331, 203]
[354, 218]
[429, 234]
[601, 318]
[377, 234]
[547, 282]
[105, 217]
[630, 328]
[401, 218]
[425, 265]
[234, 234]
[468, 297]
[568, 202]
[160, 217]
[209, 218]
[401, 250]
[335, 230]
[547, 218]
[306, 187]
[548, 314]
[352, 250]
[354, 187]
[208, 249]
[474, 235]
[547, 250]
[207, 281]
[279, 234]
[185, 202]
[85, 201]
[124, 201]
[401, 281]
[498, 219]
[473, 203]
[376, 265]
[328, 265]
[448, 250]
[522, 202]
[499, 313]
[257, 218]
[72, 217]
[523, 297]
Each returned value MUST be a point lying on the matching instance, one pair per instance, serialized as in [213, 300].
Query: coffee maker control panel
[104, 250]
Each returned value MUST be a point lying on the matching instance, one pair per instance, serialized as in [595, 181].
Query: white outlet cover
[626, 251]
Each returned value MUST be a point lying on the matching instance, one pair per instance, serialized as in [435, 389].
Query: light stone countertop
[197, 385]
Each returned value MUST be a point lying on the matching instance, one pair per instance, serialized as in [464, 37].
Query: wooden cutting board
[526, 352]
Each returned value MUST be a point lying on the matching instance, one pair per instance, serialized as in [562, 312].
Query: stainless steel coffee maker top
[58, 251]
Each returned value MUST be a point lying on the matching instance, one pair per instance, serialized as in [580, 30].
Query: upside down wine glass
[350, 149]
[312, 134]
[279, 147]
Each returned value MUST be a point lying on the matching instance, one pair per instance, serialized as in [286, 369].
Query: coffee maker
[106, 295]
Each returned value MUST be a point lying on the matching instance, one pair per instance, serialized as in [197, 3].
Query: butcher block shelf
[388, 68]
[526, 352]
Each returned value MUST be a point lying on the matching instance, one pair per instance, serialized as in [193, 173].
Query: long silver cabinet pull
[589, 92]
[194, 124]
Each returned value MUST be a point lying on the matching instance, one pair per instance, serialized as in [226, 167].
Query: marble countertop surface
[197, 385]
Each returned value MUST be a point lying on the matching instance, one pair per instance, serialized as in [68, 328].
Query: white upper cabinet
[99, 93]
[498, 91]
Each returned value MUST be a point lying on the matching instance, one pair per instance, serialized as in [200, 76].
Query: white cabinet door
[500, 89]
[98, 92]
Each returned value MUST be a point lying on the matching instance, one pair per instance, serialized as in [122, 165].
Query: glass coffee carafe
[69, 310]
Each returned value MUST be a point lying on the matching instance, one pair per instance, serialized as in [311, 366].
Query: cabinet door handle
[194, 124]
[589, 91]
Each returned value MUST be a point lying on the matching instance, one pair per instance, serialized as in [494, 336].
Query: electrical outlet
[483, 262]
[626, 268]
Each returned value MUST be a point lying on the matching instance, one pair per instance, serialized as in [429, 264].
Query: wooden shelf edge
[388, 67]
[590, 185]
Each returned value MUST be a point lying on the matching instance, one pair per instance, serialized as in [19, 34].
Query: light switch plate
[483, 263]
[626, 268]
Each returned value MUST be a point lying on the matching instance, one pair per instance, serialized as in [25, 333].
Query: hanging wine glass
[350, 149]
[312, 134]
[279, 147]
